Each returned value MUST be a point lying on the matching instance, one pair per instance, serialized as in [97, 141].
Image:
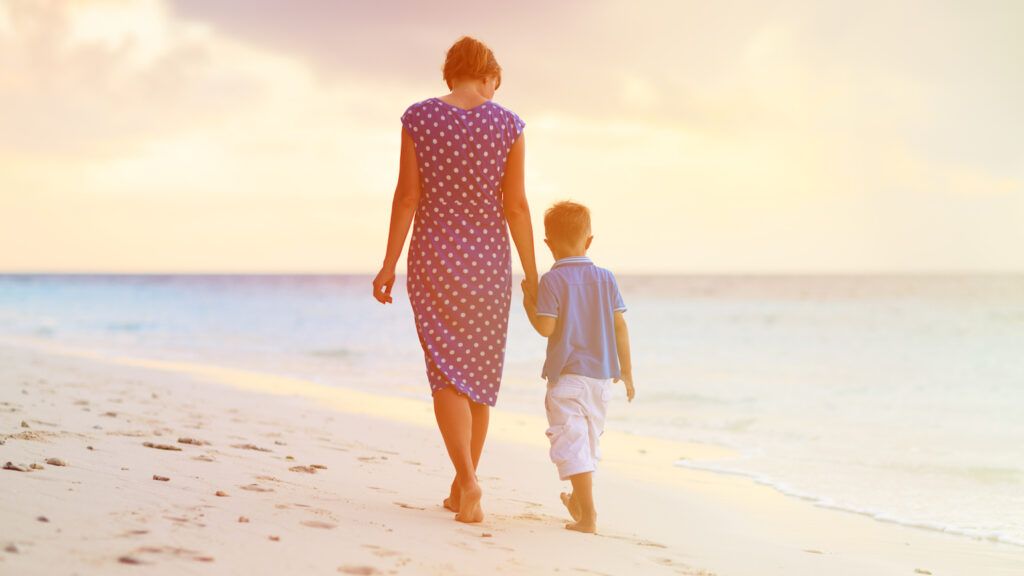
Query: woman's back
[459, 259]
[461, 154]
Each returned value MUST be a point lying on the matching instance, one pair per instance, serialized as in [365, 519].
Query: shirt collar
[571, 260]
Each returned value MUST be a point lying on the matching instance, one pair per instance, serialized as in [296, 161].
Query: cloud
[219, 135]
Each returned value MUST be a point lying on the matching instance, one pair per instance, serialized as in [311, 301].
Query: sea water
[899, 397]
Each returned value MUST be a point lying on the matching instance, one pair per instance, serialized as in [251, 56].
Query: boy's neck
[560, 254]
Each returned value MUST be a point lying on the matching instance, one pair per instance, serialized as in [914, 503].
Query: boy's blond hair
[567, 222]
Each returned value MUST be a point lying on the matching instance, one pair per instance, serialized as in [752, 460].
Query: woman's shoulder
[418, 105]
[503, 109]
[511, 119]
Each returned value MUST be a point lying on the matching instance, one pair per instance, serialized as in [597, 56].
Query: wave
[824, 502]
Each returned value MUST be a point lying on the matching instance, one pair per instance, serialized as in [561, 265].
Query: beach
[171, 467]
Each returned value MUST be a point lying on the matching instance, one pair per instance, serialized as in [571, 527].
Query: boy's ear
[589, 240]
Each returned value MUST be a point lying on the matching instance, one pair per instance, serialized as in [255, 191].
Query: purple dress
[459, 265]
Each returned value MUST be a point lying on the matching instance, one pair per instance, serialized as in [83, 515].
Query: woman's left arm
[517, 212]
[403, 209]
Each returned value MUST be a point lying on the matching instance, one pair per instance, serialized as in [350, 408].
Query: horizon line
[692, 273]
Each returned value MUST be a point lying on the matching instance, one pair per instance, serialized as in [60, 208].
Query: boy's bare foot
[452, 501]
[588, 526]
[469, 505]
[571, 505]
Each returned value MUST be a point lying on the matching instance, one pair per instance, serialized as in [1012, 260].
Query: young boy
[579, 309]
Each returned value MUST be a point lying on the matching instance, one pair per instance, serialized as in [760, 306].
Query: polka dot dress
[460, 274]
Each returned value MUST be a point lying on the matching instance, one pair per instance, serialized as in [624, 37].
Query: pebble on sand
[220, 493]
[160, 478]
[243, 519]
[56, 462]
[36, 466]
[275, 538]
[11, 548]
[42, 518]
[24, 424]
[305, 469]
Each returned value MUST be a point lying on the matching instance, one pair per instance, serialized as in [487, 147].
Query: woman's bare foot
[469, 505]
[452, 501]
[571, 505]
[586, 525]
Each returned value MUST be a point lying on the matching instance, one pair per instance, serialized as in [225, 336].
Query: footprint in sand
[529, 516]
[318, 524]
[256, 488]
[408, 506]
[681, 568]
[248, 446]
[193, 441]
[382, 552]
[363, 570]
[161, 446]
[138, 556]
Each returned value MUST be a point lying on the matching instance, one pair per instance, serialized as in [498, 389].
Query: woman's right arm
[403, 209]
[517, 211]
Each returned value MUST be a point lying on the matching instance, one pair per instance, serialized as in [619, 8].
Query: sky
[707, 137]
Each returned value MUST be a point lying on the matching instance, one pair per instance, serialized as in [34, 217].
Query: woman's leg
[481, 418]
[455, 420]
[481, 414]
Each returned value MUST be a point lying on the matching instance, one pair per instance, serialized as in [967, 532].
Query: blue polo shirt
[584, 299]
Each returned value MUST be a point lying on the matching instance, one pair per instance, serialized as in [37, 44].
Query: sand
[169, 468]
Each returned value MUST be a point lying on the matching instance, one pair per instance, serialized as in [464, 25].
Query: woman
[461, 176]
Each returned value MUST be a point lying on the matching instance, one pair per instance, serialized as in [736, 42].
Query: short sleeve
[408, 118]
[618, 305]
[516, 125]
[547, 298]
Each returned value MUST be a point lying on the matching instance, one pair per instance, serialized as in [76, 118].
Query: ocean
[898, 397]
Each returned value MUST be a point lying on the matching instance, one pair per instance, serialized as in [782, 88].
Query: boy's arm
[622, 348]
[544, 325]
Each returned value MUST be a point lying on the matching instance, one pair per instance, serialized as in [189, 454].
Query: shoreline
[692, 520]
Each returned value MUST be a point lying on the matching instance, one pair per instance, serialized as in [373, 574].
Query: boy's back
[583, 298]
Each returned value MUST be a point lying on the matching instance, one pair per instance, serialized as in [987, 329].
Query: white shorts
[576, 407]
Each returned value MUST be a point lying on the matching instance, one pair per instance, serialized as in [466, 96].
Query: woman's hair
[472, 59]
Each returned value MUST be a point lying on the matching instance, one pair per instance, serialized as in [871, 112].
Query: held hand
[382, 285]
[627, 379]
[529, 293]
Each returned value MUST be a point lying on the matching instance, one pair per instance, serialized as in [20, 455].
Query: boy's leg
[583, 494]
[581, 502]
[568, 433]
[481, 414]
